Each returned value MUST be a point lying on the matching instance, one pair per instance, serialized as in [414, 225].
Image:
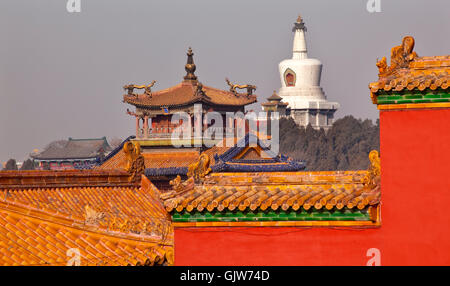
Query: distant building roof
[75, 149]
[245, 158]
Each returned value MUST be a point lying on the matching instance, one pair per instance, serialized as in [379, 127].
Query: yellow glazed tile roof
[164, 159]
[408, 71]
[108, 225]
[287, 190]
[422, 73]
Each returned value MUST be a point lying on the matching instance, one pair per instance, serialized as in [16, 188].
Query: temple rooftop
[187, 93]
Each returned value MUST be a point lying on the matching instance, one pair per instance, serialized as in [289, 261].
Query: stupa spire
[299, 50]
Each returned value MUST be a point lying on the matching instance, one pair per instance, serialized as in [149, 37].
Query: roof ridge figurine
[401, 56]
[250, 88]
[135, 161]
[148, 88]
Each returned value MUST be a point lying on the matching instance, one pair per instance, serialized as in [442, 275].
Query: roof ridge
[87, 139]
[66, 178]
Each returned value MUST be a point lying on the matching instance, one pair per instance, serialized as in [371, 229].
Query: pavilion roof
[188, 92]
[185, 93]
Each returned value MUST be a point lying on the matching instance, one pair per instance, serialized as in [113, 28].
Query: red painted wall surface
[415, 167]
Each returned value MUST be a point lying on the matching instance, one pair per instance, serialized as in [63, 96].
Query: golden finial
[299, 25]
[190, 66]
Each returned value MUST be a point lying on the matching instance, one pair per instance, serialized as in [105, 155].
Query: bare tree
[56, 144]
[27, 165]
[115, 142]
[11, 165]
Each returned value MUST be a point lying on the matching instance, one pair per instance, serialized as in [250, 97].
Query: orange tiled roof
[408, 72]
[62, 178]
[422, 73]
[161, 159]
[109, 225]
[287, 190]
[153, 160]
[184, 93]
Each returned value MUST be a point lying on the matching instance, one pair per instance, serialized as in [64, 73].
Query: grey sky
[61, 74]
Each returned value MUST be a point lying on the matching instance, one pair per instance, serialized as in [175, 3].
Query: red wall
[415, 166]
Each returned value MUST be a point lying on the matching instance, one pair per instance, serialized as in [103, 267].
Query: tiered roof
[275, 100]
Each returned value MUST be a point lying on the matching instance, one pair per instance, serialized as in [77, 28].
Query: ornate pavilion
[164, 162]
[154, 110]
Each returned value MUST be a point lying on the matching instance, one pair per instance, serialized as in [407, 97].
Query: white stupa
[300, 85]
